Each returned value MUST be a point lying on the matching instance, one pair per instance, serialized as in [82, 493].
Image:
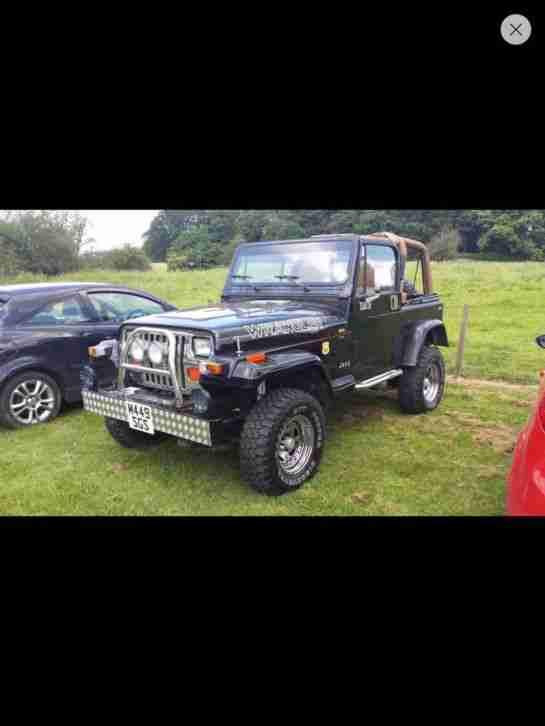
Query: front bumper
[111, 404]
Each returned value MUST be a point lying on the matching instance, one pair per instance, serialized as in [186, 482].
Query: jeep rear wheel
[282, 441]
[421, 388]
[130, 438]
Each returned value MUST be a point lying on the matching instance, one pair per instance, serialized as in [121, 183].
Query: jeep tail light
[256, 358]
[194, 374]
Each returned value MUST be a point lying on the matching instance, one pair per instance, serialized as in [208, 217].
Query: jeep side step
[339, 384]
[370, 382]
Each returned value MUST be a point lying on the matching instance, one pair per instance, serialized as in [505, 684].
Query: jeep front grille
[156, 380]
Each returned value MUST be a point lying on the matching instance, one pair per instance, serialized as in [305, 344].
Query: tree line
[51, 243]
[208, 237]
[54, 242]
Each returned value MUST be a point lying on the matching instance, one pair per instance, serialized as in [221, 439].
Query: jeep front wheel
[421, 387]
[282, 441]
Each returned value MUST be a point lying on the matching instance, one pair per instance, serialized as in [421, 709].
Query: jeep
[300, 322]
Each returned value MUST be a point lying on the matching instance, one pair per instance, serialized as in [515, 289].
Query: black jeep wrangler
[299, 322]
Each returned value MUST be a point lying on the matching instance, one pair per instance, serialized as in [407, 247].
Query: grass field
[506, 301]
[377, 460]
[506, 313]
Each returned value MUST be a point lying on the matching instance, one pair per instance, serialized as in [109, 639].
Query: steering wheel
[107, 311]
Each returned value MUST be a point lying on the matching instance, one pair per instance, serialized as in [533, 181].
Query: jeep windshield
[321, 263]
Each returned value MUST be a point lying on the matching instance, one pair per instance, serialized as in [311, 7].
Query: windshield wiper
[293, 277]
[242, 277]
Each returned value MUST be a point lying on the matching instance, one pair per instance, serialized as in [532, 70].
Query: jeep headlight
[202, 347]
[137, 351]
[156, 353]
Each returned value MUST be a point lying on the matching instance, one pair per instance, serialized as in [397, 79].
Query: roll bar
[402, 244]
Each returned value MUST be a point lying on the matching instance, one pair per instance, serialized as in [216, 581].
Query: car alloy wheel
[32, 401]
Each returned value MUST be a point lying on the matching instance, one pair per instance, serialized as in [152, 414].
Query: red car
[526, 481]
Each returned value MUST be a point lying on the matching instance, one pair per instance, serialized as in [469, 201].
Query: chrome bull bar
[174, 370]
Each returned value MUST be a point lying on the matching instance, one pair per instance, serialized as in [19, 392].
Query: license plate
[140, 417]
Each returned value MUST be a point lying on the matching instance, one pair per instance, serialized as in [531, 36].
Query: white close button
[516, 29]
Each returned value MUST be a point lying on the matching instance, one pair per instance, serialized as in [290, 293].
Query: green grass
[377, 461]
[506, 313]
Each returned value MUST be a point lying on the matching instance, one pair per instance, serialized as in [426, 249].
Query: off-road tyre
[412, 396]
[130, 438]
[263, 433]
[7, 418]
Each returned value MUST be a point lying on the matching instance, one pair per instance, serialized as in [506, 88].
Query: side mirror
[540, 340]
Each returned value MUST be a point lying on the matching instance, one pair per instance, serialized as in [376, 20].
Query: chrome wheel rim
[432, 383]
[295, 445]
[32, 402]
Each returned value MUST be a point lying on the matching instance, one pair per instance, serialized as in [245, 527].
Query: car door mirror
[540, 340]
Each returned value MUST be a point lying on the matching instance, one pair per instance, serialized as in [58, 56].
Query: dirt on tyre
[282, 441]
[29, 398]
[421, 387]
[129, 438]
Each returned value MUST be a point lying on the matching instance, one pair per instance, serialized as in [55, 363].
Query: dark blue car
[45, 331]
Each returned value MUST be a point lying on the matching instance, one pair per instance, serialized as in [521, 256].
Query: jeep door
[375, 318]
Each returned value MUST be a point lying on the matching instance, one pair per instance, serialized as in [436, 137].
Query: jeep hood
[253, 319]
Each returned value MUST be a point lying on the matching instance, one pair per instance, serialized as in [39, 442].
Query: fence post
[462, 342]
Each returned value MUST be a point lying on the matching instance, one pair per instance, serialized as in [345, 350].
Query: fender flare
[418, 335]
[277, 364]
[245, 379]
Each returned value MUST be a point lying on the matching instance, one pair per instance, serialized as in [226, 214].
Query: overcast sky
[115, 227]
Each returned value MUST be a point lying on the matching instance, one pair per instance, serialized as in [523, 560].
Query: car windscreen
[326, 263]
